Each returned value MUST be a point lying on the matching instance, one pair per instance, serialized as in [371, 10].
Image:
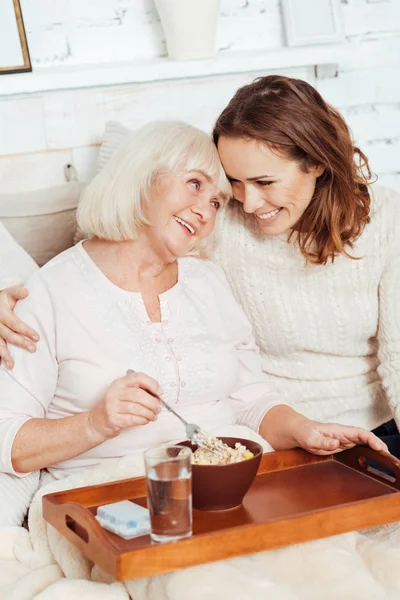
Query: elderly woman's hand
[128, 402]
[329, 438]
[13, 330]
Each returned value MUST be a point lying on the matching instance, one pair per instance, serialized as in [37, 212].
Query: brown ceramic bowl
[218, 487]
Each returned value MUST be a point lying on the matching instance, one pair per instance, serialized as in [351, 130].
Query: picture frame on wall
[312, 22]
[14, 52]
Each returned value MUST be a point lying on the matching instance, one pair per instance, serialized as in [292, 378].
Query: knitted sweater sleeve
[389, 309]
[252, 395]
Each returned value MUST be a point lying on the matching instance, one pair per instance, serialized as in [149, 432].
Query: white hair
[111, 206]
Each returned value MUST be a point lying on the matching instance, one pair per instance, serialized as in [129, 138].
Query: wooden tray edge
[249, 539]
[222, 544]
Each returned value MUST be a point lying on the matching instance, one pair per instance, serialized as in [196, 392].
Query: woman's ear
[318, 170]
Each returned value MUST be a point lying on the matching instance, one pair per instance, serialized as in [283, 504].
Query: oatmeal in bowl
[221, 482]
[225, 456]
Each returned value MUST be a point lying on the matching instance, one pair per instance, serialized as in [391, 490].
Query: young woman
[310, 249]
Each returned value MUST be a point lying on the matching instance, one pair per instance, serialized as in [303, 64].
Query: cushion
[42, 222]
[16, 494]
[15, 263]
[115, 135]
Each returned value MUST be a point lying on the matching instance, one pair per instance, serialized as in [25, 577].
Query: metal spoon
[194, 433]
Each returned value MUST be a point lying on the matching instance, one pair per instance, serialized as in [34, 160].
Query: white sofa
[42, 222]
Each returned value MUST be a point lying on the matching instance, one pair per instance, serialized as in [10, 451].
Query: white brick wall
[40, 132]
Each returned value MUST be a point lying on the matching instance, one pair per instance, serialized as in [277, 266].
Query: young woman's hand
[329, 438]
[12, 330]
[128, 402]
[284, 428]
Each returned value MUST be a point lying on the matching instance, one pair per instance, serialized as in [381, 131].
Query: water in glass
[169, 496]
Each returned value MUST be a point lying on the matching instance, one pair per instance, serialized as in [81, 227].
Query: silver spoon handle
[167, 406]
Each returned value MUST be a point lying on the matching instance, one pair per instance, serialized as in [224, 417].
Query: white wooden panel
[64, 25]
[21, 125]
[383, 155]
[364, 86]
[250, 25]
[78, 118]
[51, 12]
[373, 121]
[371, 17]
[49, 46]
[82, 32]
[370, 53]
[39, 170]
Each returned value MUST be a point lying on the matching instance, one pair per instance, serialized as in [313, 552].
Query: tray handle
[78, 522]
[366, 460]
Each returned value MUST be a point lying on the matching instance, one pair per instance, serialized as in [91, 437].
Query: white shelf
[85, 76]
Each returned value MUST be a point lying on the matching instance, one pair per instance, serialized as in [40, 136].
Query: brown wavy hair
[290, 116]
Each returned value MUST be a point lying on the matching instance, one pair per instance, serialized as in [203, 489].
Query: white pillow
[43, 222]
[115, 135]
[16, 494]
[15, 263]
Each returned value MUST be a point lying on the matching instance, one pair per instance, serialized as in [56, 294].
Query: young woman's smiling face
[271, 187]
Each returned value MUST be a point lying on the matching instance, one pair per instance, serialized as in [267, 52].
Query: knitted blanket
[41, 564]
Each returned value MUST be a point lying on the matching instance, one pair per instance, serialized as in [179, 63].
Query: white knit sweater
[329, 335]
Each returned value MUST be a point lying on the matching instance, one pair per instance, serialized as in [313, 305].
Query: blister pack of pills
[124, 518]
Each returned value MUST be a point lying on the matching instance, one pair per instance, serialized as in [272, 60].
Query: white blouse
[202, 353]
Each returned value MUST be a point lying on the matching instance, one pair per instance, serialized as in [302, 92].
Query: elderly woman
[134, 296]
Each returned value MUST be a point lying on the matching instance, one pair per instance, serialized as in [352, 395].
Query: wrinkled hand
[128, 402]
[12, 329]
[329, 438]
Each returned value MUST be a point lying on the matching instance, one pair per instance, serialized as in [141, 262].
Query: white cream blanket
[42, 565]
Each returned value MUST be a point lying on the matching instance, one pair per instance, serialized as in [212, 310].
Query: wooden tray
[295, 497]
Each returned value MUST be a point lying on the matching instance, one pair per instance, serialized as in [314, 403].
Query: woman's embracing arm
[15, 267]
[12, 329]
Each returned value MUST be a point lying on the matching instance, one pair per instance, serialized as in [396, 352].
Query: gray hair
[111, 206]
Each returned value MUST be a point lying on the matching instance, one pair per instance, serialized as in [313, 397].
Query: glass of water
[169, 492]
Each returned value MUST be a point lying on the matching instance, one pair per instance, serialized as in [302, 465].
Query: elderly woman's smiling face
[182, 210]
